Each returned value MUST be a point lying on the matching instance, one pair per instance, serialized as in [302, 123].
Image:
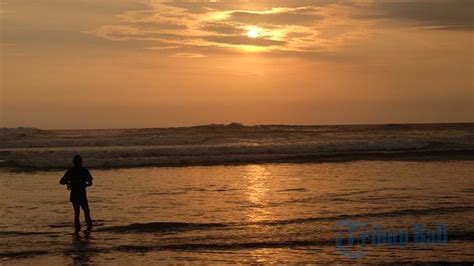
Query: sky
[155, 63]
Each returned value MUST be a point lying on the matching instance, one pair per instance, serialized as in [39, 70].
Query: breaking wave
[27, 148]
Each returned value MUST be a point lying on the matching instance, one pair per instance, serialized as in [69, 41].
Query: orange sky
[145, 63]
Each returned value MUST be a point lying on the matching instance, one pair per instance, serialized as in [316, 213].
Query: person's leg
[87, 213]
[77, 212]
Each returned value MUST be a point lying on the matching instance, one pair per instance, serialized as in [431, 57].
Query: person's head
[77, 161]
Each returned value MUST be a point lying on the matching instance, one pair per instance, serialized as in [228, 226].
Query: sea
[242, 194]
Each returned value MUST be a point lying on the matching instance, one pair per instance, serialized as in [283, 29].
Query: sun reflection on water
[257, 192]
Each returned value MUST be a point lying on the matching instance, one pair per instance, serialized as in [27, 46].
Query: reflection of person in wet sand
[77, 179]
[82, 250]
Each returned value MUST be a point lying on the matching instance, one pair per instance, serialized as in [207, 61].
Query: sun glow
[253, 32]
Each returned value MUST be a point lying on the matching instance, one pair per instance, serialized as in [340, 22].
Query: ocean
[242, 194]
[35, 149]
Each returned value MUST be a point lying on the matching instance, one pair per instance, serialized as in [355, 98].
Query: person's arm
[64, 180]
[88, 178]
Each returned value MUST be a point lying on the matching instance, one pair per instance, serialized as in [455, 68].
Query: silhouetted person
[77, 179]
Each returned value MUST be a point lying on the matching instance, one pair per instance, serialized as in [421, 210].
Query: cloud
[162, 18]
[222, 28]
[123, 33]
[433, 14]
[202, 7]
[244, 40]
[291, 26]
[254, 5]
[189, 55]
[278, 16]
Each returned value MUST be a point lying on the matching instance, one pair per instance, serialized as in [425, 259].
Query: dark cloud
[222, 28]
[299, 35]
[162, 26]
[243, 40]
[293, 3]
[293, 17]
[205, 6]
[136, 33]
[152, 19]
[435, 14]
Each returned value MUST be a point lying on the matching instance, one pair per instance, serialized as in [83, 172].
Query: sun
[253, 32]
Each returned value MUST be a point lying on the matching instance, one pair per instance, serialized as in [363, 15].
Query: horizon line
[238, 124]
